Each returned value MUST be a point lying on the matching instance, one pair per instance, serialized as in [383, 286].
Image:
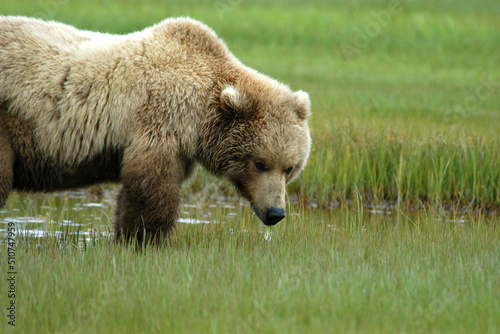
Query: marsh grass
[346, 273]
[392, 169]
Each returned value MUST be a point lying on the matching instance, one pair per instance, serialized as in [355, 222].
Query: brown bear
[79, 108]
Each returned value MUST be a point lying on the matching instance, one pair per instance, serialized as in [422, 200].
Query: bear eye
[260, 166]
[289, 170]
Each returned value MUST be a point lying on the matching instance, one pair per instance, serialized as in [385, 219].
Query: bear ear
[302, 104]
[231, 101]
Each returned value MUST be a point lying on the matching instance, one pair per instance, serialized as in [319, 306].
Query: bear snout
[274, 216]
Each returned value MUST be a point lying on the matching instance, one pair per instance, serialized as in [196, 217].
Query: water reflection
[88, 214]
[91, 215]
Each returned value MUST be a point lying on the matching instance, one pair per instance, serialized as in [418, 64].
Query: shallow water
[89, 214]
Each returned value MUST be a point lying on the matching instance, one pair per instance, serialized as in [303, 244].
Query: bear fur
[79, 108]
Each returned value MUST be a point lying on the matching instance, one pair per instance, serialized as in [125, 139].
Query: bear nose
[274, 215]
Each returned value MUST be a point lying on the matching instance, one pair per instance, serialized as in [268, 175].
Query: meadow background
[406, 118]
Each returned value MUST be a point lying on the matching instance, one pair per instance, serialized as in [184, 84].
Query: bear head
[256, 135]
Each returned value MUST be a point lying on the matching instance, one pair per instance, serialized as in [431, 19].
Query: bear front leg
[6, 167]
[149, 199]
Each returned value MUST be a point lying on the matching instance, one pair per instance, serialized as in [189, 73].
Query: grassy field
[317, 274]
[406, 114]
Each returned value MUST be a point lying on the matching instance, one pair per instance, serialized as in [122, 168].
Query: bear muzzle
[270, 216]
[274, 216]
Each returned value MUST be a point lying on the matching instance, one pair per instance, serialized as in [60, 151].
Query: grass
[351, 273]
[405, 115]
[395, 168]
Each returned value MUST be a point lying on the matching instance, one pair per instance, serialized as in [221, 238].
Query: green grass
[391, 167]
[350, 273]
[407, 119]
